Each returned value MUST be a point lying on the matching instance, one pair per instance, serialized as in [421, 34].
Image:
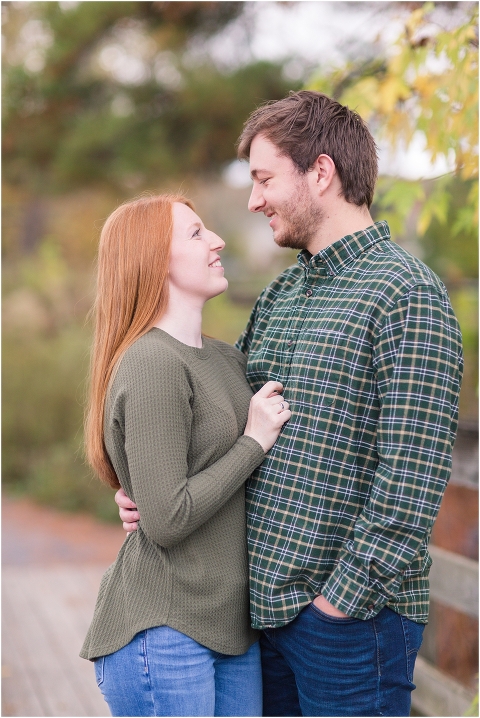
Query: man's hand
[326, 607]
[127, 511]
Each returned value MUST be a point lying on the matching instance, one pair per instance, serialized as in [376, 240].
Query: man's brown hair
[307, 124]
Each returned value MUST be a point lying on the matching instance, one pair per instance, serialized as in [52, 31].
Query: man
[363, 338]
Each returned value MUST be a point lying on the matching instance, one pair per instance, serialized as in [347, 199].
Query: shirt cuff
[345, 590]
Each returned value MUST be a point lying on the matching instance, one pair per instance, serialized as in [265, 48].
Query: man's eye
[264, 181]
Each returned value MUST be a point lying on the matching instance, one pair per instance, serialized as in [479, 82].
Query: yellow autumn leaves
[428, 84]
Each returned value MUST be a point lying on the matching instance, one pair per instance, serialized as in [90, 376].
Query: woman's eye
[196, 233]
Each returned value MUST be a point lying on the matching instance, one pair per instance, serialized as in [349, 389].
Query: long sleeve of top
[154, 416]
[174, 422]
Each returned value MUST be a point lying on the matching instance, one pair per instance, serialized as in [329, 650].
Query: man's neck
[340, 219]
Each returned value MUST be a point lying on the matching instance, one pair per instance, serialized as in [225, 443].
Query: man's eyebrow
[254, 173]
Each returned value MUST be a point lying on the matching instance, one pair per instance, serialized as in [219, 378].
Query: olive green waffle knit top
[174, 422]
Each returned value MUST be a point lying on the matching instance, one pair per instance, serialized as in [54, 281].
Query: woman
[172, 421]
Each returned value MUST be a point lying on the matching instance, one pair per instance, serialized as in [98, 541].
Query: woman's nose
[216, 242]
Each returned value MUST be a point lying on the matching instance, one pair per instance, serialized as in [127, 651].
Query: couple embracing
[331, 424]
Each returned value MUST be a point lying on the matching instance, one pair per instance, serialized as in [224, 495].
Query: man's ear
[323, 173]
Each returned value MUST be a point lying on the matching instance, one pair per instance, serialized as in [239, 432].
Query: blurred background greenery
[103, 100]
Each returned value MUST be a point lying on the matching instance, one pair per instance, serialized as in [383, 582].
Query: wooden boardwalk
[52, 565]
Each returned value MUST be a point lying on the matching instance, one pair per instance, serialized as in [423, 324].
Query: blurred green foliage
[43, 391]
[45, 364]
[427, 87]
[454, 257]
[118, 101]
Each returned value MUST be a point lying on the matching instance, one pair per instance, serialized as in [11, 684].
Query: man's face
[284, 195]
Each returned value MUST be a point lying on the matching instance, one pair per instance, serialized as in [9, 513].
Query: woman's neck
[183, 321]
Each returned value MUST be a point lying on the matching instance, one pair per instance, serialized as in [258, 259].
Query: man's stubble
[301, 218]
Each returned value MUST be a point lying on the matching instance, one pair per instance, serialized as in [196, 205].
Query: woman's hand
[267, 414]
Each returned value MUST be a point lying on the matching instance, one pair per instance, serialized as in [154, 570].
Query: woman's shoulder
[227, 350]
[150, 374]
[154, 344]
[150, 358]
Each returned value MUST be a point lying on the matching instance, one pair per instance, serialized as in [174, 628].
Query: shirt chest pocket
[318, 368]
[320, 356]
[334, 374]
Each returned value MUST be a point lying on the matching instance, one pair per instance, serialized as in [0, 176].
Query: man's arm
[417, 359]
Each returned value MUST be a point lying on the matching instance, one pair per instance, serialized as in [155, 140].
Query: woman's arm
[267, 414]
[157, 419]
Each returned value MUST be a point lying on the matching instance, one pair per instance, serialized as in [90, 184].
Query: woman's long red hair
[132, 294]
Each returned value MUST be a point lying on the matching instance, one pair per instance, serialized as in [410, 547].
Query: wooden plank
[437, 694]
[465, 456]
[40, 650]
[454, 580]
[76, 589]
[65, 594]
[32, 687]
[45, 644]
[19, 695]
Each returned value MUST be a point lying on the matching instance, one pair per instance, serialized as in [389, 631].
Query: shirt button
[289, 343]
[308, 293]
[371, 606]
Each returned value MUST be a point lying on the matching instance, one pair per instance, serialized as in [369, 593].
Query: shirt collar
[344, 251]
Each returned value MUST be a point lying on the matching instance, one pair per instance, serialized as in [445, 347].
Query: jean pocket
[331, 619]
[413, 634]
[99, 667]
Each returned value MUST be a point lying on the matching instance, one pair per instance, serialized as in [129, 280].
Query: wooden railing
[453, 587]
[454, 583]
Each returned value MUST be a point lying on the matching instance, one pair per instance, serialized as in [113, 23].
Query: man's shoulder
[391, 265]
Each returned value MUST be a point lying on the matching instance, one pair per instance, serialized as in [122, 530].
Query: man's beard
[300, 218]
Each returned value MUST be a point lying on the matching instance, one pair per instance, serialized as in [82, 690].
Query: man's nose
[256, 203]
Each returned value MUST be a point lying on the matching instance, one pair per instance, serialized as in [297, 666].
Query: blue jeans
[162, 672]
[319, 665]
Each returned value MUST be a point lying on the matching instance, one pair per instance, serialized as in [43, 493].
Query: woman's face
[195, 269]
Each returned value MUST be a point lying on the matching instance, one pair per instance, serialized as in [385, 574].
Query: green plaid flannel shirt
[363, 337]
